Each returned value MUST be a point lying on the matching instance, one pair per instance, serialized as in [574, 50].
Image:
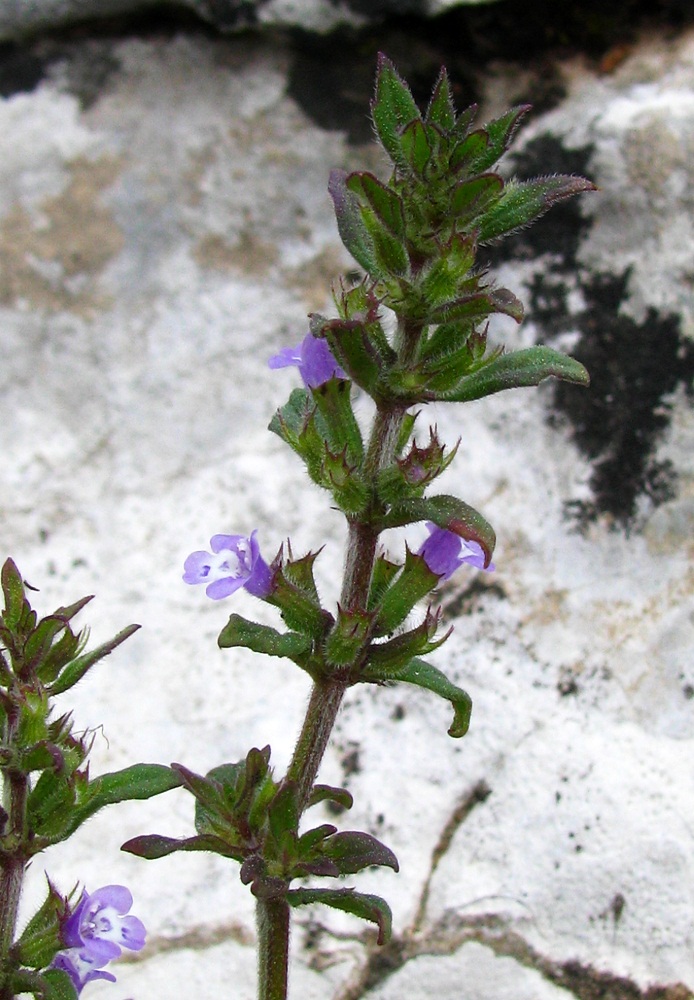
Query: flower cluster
[96, 932]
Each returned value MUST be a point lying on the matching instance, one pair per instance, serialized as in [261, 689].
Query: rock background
[164, 228]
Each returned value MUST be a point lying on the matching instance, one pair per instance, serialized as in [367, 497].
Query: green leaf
[139, 781]
[517, 370]
[478, 306]
[500, 132]
[522, 202]
[350, 223]
[76, 670]
[471, 197]
[470, 148]
[352, 851]
[309, 840]
[386, 204]
[416, 147]
[283, 812]
[363, 905]
[156, 845]
[13, 589]
[447, 512]
[323, 793]
[424, 675]
[392, 109]
[262, 639]
[441, 110]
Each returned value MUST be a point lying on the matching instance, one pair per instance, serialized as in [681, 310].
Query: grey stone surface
[162, 232]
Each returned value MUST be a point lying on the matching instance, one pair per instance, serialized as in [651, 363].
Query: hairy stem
[327, 694]
[272, 917]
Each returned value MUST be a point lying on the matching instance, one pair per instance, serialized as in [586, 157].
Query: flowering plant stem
[272, 916]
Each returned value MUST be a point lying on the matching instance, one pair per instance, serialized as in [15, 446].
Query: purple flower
[95, 932]
[235, 562]
[313, 359]
[444, 552]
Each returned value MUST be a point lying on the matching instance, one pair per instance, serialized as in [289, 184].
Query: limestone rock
[165, 228]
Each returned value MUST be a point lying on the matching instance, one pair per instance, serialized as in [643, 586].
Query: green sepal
[352, 851]
[297, 424]
[415, 581]
[392, 108]
[422, 674]
[346, 483]
[514, 371]
[41, 939]
[361, 349]
[75, 671]
[51, 807]
[384, 202]
[447, 512]
[359, 904]
[522, 202]
[155, 845]
[328, 793]
[441, 110]
[333, 399]
[350, 224]
[440, 283]
[298, 604]
[386, 658]
[384, 572]
[262, 639]
[347, 637]
[53, 984]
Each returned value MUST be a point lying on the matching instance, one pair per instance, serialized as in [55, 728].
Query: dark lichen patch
[619, 421]
[21, 70]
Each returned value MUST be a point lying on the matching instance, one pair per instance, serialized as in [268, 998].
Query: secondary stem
[15, 792]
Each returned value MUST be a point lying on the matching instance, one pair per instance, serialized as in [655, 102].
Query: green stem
[272, 917]
[327, 694]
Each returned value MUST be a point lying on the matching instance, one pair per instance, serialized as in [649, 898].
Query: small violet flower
[444, 552]
[235, 562]
[313, 359]
[95, 932]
